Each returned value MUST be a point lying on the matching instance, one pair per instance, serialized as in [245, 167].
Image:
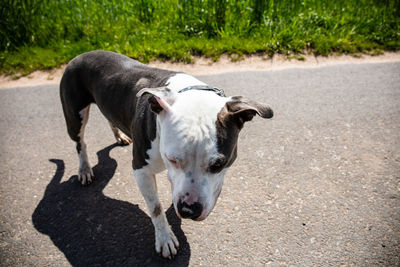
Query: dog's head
[198, 142]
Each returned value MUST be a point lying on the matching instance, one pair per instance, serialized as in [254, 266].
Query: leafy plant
[41, 34]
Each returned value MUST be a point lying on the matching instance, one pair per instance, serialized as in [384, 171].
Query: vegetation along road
[41, 34]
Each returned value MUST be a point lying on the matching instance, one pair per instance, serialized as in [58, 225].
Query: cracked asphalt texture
[318, 185]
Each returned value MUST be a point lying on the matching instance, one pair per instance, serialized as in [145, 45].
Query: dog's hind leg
[85, 173]
[76, 124]
[76, 99]
[121, 138]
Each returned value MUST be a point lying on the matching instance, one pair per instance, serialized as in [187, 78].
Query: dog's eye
[217, 165]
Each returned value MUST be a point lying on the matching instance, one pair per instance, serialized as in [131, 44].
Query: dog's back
[110, 80]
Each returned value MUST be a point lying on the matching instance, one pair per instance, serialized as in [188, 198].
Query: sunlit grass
[44, 34]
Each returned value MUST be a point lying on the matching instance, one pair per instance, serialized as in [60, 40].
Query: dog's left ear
[241, 110]
[161, 98]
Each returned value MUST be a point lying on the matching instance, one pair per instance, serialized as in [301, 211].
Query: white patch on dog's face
[188, 147]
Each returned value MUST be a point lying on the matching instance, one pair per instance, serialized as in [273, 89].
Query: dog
[173, 121]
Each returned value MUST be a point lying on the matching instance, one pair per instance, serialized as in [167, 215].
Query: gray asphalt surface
[318, 185]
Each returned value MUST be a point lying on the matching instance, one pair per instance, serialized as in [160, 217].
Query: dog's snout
[192, 211]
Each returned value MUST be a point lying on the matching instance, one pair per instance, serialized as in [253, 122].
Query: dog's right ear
[161, 98]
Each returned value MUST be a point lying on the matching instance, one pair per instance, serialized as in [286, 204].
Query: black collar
[216, 90]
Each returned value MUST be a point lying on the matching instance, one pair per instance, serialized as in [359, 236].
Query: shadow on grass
[92, 229]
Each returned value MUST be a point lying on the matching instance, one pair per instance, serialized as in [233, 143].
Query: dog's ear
[161, 98]
[241, 110]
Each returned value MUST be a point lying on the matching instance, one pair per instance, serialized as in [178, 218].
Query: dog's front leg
[166, 242]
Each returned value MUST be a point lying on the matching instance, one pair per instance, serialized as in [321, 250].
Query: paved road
[318, 185]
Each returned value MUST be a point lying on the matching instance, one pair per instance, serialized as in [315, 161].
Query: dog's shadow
[92, 229]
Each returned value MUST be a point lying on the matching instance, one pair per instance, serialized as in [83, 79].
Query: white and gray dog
[174, 122]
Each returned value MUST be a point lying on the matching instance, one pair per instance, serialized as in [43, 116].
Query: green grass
[44, 34]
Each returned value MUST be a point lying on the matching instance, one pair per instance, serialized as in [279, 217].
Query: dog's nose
[192, 211]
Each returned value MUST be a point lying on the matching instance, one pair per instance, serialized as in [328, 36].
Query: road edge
[204, 66]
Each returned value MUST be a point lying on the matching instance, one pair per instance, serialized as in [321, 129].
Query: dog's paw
[123, 140]
[85, 174]
[166, 243]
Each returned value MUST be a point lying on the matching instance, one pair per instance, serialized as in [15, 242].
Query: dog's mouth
[201, 218]
[196, 219]
[197, 211]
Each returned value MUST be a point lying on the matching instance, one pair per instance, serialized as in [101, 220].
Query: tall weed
[177, 29]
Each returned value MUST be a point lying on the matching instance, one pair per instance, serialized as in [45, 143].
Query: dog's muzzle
[187, 211]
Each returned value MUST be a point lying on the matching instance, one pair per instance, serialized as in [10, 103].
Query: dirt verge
[204, 66]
